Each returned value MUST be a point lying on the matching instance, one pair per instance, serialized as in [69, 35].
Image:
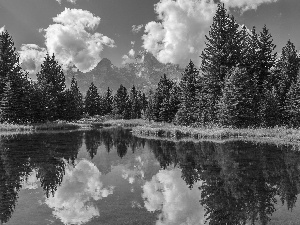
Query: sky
[82, 32]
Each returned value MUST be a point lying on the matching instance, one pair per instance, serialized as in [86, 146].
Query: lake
[110, 177]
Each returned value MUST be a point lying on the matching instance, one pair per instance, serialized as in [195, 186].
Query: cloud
[71, 39]
[31, 57]
[132, 43]
[2, 29]
[137, 172]
[71, 1]
[246, 4]
[72, 200]
[129, 58]
[168, 193]
[180, 34]
[137, 28]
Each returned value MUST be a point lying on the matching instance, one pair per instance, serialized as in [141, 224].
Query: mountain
[144, 72]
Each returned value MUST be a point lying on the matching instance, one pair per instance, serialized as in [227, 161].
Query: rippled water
[110, 177]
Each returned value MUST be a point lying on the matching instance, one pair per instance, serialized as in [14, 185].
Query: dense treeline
[241, 83]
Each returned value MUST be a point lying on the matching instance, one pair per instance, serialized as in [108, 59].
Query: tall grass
[5, 127]
[282, 134]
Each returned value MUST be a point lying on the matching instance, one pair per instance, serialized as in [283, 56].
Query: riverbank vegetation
[241, 83]
[280, 135]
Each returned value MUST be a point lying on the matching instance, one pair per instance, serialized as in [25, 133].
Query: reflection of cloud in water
[80, 185]
[137, 172]
[178, 204]
[31, 182]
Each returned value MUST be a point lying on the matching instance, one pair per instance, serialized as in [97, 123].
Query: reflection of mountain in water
[144, 73]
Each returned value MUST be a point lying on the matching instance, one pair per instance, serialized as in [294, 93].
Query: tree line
[241, 83]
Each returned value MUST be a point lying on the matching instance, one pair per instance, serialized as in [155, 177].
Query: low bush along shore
[281, 134]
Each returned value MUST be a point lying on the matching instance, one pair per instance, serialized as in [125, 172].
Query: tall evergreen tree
[51, 80]
[77, 99]
[188, 89]
[149, 113]
[92, 101]
[221, 54]
[121, 105]
[136, 106]
[72, 103]
[108, 101]
[237, 103]
[7, 104]
[292, 105]
[265, 58]
[286, 72]
[161, 98]
[259, 61]
[12, 73]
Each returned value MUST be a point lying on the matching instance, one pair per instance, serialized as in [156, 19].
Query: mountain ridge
[144, 71]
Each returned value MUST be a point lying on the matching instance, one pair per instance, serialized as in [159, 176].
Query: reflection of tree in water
[92, 142]
[119, 138]
[9, 187]
[240, 180]
[45, 153]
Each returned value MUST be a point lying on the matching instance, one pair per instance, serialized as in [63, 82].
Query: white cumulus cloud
[137, 28]
[168, 193]
[71, 1]
[72, 40]
[246, 4]
[31, 57]
[129, 58]
[72, 200]
[180, 34]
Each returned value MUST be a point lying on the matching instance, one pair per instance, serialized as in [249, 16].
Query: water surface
[110, 177]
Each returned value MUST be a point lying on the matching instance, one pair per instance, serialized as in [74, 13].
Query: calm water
[110, 177]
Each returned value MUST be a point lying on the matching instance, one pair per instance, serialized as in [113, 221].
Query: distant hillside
[144, 73]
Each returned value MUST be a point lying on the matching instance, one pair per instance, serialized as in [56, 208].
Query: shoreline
[155, 130]
[277, 135]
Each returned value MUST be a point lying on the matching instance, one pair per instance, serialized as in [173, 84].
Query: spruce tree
[188, 89]
[136, 106]
[76, 99]
[108, 101]
[149, 113]
[9, 63]
[292, 105]
[121, 104]
[286, 72]
[269, 112]
[259, 61]
[237, 103]
[51, 80]
[11, 71]
[265, 58]
[92, 101]
[7, 104]
[161, 97]
[221, 54]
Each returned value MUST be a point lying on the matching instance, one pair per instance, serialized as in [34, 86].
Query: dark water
[110, 177]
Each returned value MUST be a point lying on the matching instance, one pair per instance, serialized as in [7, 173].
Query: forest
[242, 82]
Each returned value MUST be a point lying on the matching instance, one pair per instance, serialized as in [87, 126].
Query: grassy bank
[37, 127]
[279, 134]
[125, 123]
